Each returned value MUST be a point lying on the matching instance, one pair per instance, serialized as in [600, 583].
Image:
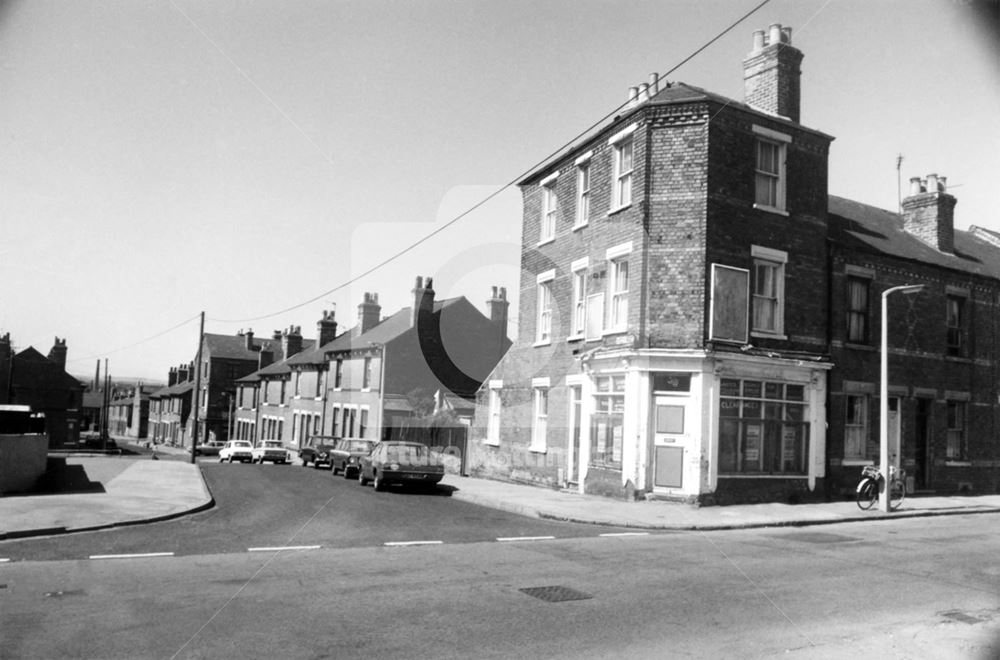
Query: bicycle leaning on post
[867, 490]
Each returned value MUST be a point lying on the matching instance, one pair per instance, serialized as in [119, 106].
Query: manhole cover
[817, 537]
[555, 594]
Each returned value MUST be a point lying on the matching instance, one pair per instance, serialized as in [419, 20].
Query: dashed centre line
[626, 534]
[139, 555]
[408, 543]
[525, 538]
[4, 560]
[285, 547]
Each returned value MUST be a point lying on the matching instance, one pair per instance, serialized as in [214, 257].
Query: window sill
[856, 462]
[491, 443]
[859, 347]
[575, 338]
[614, 331]
[771, 209]
[537, 450]
[579, 226]
[958, 463]
[958, 358]
[545, 342]
[546, 241]
[366, 389]
[763, 334]
[619, 209]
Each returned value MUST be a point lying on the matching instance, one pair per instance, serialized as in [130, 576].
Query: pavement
[127, 490]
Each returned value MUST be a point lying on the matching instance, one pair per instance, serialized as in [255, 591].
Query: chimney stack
[423, 300]
[58, 353]
[369, 312]
[291, 341]
[182, 373]
[929, 212]
[498, 306]
[326, 328]
[172, 377]
[248, 338]
[772, 73]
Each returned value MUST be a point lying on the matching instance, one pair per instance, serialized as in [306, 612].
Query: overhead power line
[566, 145]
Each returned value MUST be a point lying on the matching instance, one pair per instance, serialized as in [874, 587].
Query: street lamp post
[883, 502]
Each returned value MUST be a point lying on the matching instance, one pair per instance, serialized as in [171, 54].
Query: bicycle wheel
[867, 494]
[897, 493]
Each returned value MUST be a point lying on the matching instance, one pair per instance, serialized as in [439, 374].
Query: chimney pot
[786, 35]
[758, 41]
[654, 84]
[915, 188]
[633, 96]
[932, 183]
[420, 283]
[643, 92]
[774, 34]
[943, 183]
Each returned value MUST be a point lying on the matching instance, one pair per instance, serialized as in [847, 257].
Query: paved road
[263, 506]
[903, 589]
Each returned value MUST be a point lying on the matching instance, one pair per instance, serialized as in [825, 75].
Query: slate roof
[675, 93]
[34, 370]
[857, 226]
[234, 346]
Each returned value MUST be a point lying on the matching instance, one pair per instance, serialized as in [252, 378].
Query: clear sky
[159, 158]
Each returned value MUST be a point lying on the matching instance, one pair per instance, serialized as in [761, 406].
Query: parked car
[346, 455]
[407, 463]
[269, 450]
[209, 448]
[236, 450]
[316, 450]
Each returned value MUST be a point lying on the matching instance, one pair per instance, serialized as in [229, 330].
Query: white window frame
[622, 183]
[780, 142]
[617, 313]
[493, 420]
[955, 446]
[544, 308]
[550, 209]
[579, 319]
[862, 426]
[583, 182]
[775, 260]
[540, 414]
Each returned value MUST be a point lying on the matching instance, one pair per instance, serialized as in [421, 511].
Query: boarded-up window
[729, 303]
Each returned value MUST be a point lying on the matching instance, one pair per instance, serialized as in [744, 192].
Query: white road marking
[525, 538]
[627, 534]
[285, 547]
[142, 555]
[405, 543]
[4, 559]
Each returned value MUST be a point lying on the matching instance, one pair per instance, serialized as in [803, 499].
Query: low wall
[23, 459]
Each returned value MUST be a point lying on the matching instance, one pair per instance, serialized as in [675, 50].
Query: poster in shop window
[751, 439]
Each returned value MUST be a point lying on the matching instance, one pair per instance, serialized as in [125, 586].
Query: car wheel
[305, 463]
[377, 482]
[221, 459]
[347, 472]
[230, 459]
[361, 477]
[333, 469]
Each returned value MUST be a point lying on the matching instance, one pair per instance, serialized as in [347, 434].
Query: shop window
[763, 428]
[608, 422]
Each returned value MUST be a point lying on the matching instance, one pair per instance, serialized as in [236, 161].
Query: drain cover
[555, 594]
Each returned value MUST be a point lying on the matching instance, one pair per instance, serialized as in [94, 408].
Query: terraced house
[683, 316]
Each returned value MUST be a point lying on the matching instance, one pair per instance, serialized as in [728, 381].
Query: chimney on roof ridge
[326, 328]
[423, 300]
[498, 306]
[248, 337]
[57, 353]
[182, 373]
[929, 212]
[172, 377]
[291, 341]
[369, 312]
[772, 73]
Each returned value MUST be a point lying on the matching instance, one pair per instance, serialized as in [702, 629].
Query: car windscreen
[357, 445]
[413, 454]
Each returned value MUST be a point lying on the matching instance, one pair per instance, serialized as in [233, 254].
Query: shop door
[670, 441]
